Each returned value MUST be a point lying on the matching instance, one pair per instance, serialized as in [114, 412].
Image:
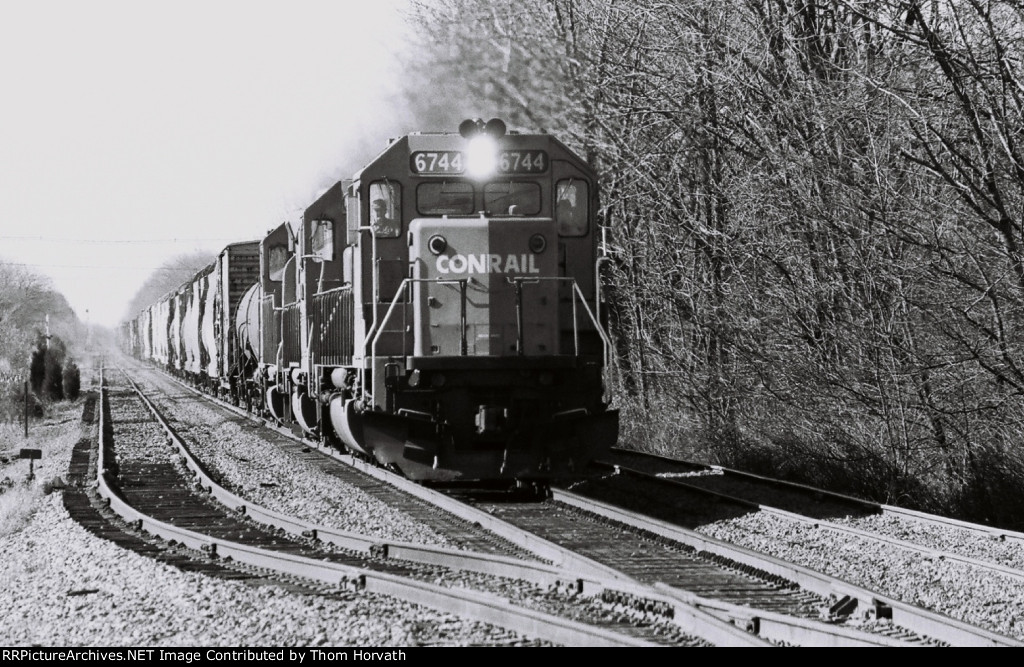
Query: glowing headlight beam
[481, 156]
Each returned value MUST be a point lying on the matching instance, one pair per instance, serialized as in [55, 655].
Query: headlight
[437, 244]
[538, 243]
[481, 156]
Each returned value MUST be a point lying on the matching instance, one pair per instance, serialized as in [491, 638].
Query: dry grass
[55, 435]
[17, 506]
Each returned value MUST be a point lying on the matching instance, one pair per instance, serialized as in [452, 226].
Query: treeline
[171, 275]
[816, 213]
[35, 320]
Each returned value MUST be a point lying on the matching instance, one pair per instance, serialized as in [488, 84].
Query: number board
[453, 162]
[522, 162]
[437, 162]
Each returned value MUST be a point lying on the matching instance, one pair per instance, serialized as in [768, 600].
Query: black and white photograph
[333, 330]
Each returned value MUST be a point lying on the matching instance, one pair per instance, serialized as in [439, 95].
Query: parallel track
[162, 505]
[679, 506]
[765, 595]
[827, 510]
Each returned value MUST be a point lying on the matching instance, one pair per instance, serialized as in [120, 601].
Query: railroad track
[762, 596]
[158, 499]
[221, 436]
[941, 533]
[947, 565]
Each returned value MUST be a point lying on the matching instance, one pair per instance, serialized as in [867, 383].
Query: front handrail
[516, 280]
[377, 328]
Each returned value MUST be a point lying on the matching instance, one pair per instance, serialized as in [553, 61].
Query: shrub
[72, 380]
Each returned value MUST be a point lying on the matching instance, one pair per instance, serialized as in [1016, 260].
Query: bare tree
[168, 277]
[816, 212]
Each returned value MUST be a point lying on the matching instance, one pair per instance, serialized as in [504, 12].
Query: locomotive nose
[484, 287]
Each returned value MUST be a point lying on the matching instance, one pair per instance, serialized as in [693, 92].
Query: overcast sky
[132, 132]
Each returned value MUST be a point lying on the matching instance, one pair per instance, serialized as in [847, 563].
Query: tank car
[257, 325]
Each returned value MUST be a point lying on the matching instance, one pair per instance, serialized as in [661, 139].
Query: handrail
[577, 292]
[597, 283]
[339, 288]
[597, 325]
[378, 327]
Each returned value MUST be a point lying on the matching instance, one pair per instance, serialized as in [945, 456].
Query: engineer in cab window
[384, 207]
[383, 224]
[571, 207]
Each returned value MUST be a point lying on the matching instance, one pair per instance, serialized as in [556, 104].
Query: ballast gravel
[259, 470]
[989, 600]
[62, 586]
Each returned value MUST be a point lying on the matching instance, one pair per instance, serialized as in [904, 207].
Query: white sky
[132, 132]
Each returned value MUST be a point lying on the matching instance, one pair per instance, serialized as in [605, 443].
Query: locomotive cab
[323, 317]
[277, 251]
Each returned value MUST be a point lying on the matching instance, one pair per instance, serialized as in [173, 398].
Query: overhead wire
[103, 266]
[62, 239]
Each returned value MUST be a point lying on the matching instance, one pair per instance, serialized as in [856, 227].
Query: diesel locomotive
[439, 313]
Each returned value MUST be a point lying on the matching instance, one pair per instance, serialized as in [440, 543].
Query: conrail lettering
[487, 263]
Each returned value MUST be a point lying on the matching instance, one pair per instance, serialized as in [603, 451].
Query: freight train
[438, 314]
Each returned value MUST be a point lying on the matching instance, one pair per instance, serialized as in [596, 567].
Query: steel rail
[763, 624]
[758, 624]
[784, 629]
[483, 606]
[474, 604]
[562, 558]
[869, 603]
[912, 618]
[493, 564]
[937, 554]
[995, 533]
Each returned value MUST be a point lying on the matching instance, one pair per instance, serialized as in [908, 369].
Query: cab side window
[321, 239]
[278, 257]
[571, 202]
[386, 209]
